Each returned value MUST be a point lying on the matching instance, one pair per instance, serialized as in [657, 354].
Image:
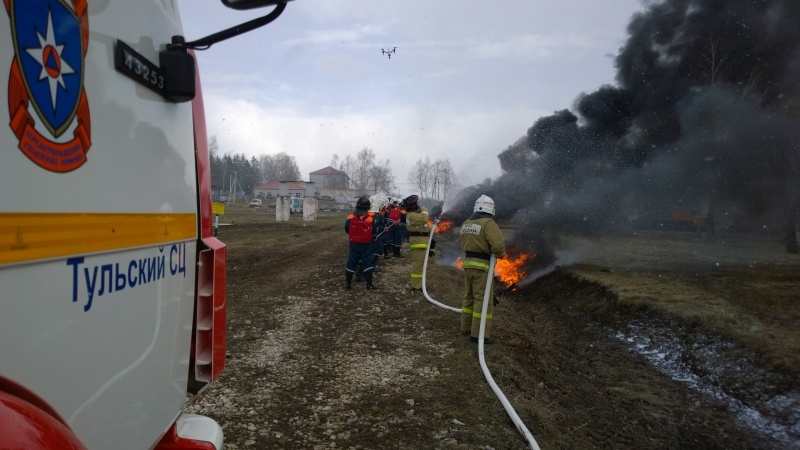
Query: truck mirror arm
[178, 65]
[208, 41]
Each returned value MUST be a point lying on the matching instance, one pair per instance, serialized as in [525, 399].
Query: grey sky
[466, 81]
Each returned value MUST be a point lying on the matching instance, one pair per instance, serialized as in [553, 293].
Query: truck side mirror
[174, 77]
[179, 72]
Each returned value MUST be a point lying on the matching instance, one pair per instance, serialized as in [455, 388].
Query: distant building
[329, 178]
[333, 184]
[272, 189]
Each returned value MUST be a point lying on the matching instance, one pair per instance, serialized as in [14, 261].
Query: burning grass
[444, 226]
[510, 269]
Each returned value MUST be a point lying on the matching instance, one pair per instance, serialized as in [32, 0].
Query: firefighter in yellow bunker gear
[480, 238]
[418, 232]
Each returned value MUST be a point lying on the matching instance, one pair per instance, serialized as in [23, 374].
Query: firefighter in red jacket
[397, 220]
[480, 239]
[361, 227]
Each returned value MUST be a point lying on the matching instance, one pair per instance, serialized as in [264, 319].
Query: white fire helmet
[485, 204]
[378, 202]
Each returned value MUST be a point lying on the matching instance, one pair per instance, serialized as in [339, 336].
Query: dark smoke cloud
[704, 118]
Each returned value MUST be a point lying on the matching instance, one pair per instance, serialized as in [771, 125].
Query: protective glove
[433, 244]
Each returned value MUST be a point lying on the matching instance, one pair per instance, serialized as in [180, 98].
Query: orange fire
[510, 270]
[444, 226]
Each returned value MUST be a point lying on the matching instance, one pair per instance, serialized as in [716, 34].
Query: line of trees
[432, 179]
[364, 172]
[249, 172]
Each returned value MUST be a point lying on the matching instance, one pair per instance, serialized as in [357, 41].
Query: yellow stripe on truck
[33, 236]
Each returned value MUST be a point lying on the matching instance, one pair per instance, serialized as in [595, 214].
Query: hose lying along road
[487, 293]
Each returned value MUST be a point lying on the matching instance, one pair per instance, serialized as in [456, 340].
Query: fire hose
[394, 222]
[512, 414]
[425, 272]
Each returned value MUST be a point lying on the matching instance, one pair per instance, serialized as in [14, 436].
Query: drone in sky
[388, 52]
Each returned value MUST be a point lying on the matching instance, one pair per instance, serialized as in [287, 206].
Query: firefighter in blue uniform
[378, 209]
[361, 229]
[397, 228]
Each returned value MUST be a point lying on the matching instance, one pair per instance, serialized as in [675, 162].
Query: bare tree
[715, 61]
[363, 172]
[365, 161]
[442, 174]
[420, 176]
[382, 178]
[279, 167]
[348, 166]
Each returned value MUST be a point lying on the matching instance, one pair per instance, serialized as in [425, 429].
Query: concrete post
[310, 203]
[283, 207]
[309, 208]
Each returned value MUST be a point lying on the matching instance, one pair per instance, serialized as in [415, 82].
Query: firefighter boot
[368, 277]
[396, 250]
[386, 252]
[348, 279]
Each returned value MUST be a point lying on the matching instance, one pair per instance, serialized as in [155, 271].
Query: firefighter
[397, 230]
[480, 238]
[361, 228]
[378, 205]
[418, 231]
[387, 230]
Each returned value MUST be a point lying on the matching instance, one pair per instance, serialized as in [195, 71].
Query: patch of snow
[716, 368]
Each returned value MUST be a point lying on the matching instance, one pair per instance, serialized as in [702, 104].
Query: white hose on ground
[425, 272]
[503, 400]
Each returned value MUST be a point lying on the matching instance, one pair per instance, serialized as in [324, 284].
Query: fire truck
[112, 285]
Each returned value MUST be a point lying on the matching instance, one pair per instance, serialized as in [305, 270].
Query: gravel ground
[312, 366]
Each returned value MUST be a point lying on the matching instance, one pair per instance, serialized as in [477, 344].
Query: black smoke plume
[705, 118]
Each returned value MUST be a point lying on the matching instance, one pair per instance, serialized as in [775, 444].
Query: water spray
[425, 271]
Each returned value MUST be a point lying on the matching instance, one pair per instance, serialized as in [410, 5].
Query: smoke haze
[704, 118]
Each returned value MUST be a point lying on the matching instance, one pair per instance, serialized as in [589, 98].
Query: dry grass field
[637, 341]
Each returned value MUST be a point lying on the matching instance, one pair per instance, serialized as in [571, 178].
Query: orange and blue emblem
[46, 99]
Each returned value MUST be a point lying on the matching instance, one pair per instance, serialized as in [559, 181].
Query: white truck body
[100, 223]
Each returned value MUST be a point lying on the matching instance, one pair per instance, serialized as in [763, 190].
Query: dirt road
[311, 365]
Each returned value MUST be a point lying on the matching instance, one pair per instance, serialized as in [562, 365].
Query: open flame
[444, 226]
[510, 270]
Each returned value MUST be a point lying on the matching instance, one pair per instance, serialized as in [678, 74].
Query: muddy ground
[311, 365]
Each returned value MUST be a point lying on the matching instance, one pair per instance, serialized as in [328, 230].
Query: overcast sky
[467, 80]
